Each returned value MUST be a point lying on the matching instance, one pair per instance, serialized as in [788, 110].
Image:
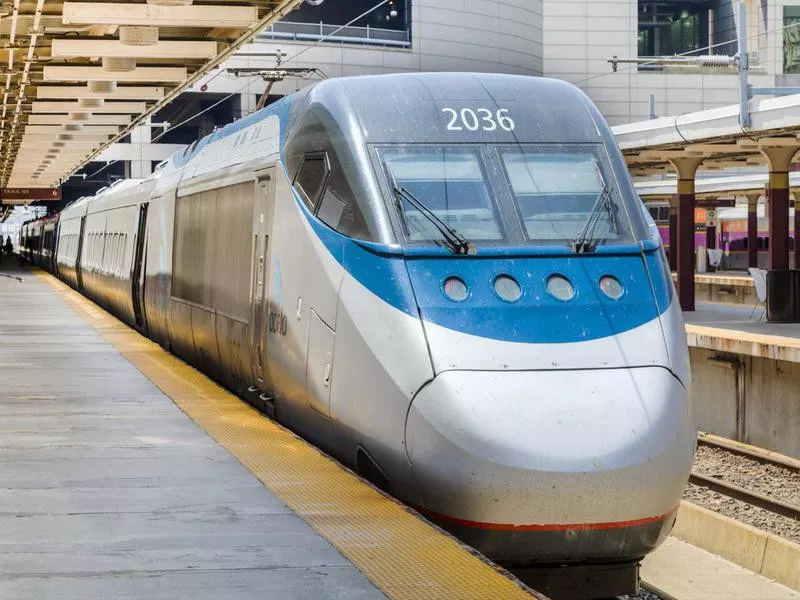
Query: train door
[264, 206]
[54, 253]
[79, 255]
[137, 281]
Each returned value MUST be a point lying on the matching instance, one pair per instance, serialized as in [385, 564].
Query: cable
[241, 89]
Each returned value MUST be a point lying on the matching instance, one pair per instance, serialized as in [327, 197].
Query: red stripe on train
[550, 527]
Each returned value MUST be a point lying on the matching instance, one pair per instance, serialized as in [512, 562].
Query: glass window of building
[668, 28]
[388, 25]
[791, 39]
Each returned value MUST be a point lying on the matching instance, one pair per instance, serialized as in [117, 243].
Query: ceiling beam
[128, 92]
[97, 119]
[57, 129]
[84, 136]
[140, 74]
[206, 16]
[106, 108]
[165, 49]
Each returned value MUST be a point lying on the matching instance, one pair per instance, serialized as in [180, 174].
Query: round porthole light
[611, 287]
[455, 289]
[560, 288]
[507, 288]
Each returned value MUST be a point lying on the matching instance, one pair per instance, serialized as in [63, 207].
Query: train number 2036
[479, 119]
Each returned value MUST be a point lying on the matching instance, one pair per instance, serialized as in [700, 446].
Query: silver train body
[529, 395]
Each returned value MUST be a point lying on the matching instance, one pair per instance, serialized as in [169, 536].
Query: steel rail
[758, 454]
[745, 495]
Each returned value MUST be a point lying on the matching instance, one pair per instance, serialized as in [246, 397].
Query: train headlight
[507, 288]
[611, 287]
[560, 288]
[455, 289]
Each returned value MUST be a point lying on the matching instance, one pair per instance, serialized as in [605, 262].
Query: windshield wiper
[454, 241]
[586, 242]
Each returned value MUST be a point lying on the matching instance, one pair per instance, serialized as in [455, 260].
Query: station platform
[128, 474]
[731, 287]
[745, 376]
[705, 576]
[741, 330]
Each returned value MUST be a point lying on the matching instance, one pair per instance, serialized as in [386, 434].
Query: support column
[752, 230]
[141, 166]
[780, 157]
[796, 195]
[686, 168]
[673, 234]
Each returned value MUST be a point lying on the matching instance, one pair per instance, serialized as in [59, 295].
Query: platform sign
[715, 202]
[30, 194]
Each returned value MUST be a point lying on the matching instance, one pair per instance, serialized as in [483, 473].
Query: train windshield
[557, 191]
[451, 183]
[523, 194]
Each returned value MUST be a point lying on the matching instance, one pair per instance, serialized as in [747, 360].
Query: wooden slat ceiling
[118, 62]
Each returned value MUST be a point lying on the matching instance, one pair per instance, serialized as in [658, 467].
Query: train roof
[414, 106]
[410, 107]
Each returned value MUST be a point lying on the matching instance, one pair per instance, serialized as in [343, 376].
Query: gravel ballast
[770, 480]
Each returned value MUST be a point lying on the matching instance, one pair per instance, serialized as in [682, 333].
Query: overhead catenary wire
[241, 89]
[655, 60]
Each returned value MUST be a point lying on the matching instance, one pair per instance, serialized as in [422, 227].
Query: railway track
[731, 490]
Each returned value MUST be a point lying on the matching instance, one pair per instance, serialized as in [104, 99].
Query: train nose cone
[554, 465]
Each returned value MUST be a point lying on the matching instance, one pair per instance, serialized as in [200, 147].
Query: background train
[446, 281]
[730, 234]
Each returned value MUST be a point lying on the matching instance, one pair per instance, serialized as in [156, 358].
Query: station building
[566, 39]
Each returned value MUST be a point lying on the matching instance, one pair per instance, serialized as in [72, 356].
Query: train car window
[311, 178]
[450, 181]
[338, 207]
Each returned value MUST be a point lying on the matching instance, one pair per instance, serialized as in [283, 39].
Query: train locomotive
[446, 281]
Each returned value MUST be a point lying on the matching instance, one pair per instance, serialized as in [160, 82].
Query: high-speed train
[447, 281]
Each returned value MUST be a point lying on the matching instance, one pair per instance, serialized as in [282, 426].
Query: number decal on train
[479, 119]
[277, 323]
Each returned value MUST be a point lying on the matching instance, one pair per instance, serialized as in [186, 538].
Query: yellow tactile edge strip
[403, 555]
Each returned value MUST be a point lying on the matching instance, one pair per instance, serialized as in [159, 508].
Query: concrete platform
[732, 287]
[686, 572]
[745, 376]
[739, 318]
[110, 490]
[740, 330]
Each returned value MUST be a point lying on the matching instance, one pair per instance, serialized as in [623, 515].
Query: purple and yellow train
[729, 235]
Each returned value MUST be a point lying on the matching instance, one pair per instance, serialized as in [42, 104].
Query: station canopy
[650, 147]
[77, 76]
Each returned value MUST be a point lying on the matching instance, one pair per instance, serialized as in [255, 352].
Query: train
[730, 234]
[446, 281]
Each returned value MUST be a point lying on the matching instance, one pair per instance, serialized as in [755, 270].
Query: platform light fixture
[91, 102]
[101, 87]
[138, 36]
[119, 64]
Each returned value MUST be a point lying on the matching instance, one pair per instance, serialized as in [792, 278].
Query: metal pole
[651, 102]
[744, 65]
